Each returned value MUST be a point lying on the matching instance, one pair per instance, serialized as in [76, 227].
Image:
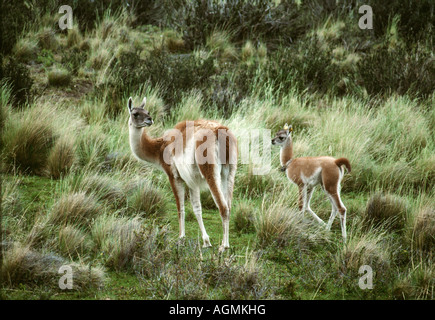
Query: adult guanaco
[194, 154]
[308, 172]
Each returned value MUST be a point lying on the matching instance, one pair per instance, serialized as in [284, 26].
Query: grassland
[72, 193]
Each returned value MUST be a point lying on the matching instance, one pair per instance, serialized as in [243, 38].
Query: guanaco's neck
[286, 152]
[143, 146]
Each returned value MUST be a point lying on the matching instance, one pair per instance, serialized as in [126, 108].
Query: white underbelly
[187, 168]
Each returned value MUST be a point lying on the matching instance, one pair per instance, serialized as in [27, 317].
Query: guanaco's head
[282, 135]
[139, 117]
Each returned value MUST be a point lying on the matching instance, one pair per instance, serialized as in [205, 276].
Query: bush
[74, 59]
[147, 200]
[260, 19]
[25, 50]
[92, 147]
[365, 247]
[404, 71]
[18, 75]
[423, 230]
[23, 266]
[102, 187]
[59, 77]
[61, 158]
[47, 39]
[117, 240]
[387, 210]
[244, 217]
[75, 208]
[27, 143]
[277, 225]
[173, 73]
[73, 242]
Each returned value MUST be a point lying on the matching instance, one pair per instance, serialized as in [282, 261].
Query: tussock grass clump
[365, 247]
[103, 187]
[21, 265]
[94, 112]
[99, 58]
[59, 77]
[219, 43]
[153, 250]
[92, 147]
[73, 242]
[27, 142]
[279, 225]
[74, 38]
[5, 109]
[147, 200]
[25, 50]
[47, 39]
[190, 107]
[248, 51]
[174, 42]
[116, 238]
[190, 273]
[244, 217]
[251, 185]
[61, 158]
[207, 201]
[11, 202]
[423, 229]
[75, 208]
[386, 209]
[418, 284]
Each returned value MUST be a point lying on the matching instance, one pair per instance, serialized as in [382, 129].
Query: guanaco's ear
[144, 101]
[130, 104]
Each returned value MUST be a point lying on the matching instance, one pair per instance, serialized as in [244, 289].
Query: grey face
[139, 117]
[281, 136]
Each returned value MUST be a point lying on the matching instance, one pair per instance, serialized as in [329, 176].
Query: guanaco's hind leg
[179, 192]
[333, 193]
[212, 176]
[195, 199]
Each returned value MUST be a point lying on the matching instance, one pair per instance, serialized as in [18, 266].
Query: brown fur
[307, 172]
[152, 150]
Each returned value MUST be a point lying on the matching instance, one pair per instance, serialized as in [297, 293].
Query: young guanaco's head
[282, 135]
[139, 117]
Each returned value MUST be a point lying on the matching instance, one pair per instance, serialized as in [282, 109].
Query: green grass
[73, 192]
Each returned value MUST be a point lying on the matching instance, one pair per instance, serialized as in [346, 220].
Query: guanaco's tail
[343, 162]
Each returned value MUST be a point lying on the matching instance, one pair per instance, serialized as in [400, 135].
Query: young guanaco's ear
[144, 101]
[130, 104]
[286, 128]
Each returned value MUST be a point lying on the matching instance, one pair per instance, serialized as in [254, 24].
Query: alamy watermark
[66, 281]
[366, 21]
[366, 280]
[66, 21]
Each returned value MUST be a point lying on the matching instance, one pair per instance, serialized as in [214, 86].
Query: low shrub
[25, 50]
[61, 158]
[18, 75]
[59, 77]
[27, 143]
[243, 216]
[422, 233]
[147, 200]
[24, 266]
[74, 208]
[387, 210]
